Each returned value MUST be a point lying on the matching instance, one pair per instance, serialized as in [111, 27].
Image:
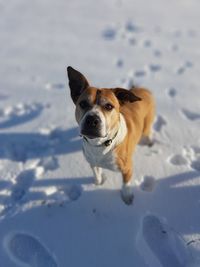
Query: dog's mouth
[91, 134]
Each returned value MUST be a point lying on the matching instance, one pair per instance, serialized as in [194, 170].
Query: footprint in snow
[23, 182]
[74, 192]
[178, 160]
[148, 183]
[63, 194]
[18, 192]
[172, 92]
[182, 69]
[147, 43]
[195, 165]
[190, 115]
[21, 113]
[191, 157]
[160, 122]
[195, 162]
[196, 150]
[48, 164]
[119, 63]
[132, 27]
[109, 33]
[157, 53]
[174, 47]
[155, 67]
[26, 250]
[140, 73]
[188, 64]
[132, 41]
[166, 245]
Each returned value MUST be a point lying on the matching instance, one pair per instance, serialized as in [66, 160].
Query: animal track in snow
[190, 156]
[195, 165]
[140, 73]
[174, 47]
[74, 192]
[147, 43]
[18, 191]
[180, 70]
[190, 115]
[124, 31]
[196, 150]
[194, 155]
[157, 53]
[131, 27]
[132, 41]
[23, 182]
[109, 33]
[155, 67]
[148, 183]
[119, 63]
[167, 246]
[172, 92]
[160, 122]
[178, 160]
[63, 194]
[26, 250]
[184, 67]
[188, 64]
[49, 163]
[21, 113]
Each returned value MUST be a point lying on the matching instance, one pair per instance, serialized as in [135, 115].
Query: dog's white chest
[100, 157]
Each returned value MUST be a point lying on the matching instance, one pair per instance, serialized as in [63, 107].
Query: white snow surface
[51, 213]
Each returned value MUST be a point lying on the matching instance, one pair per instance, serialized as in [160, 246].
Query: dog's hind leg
[147, 138]
[99, 177]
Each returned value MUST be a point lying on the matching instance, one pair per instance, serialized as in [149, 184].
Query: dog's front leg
[127, 192]
[99, 177]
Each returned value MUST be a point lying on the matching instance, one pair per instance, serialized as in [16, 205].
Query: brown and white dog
[112, 122]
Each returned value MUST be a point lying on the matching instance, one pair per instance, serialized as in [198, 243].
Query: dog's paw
[146, 141]
[100, 181]
[127, 194]
[128, 199]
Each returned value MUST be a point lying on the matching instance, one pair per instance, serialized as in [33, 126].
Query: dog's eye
[84, 104]
[108, 107]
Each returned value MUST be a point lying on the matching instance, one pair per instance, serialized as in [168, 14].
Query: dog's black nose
[92, 121]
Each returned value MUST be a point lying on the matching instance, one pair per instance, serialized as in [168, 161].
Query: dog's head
[97, 109]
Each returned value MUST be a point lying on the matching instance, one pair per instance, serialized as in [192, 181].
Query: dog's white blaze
[95, 110]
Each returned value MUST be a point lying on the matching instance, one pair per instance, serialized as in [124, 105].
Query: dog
[112, 122]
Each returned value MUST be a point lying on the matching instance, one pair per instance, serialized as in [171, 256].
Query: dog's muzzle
[91, 126]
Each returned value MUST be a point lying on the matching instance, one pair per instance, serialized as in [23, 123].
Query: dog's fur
[112, 122]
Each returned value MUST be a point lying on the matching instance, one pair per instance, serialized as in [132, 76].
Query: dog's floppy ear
[124, 95]
[77, 83]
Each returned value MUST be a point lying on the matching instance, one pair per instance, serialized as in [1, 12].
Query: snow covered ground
[51, 214]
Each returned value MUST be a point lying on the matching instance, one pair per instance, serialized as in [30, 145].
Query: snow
[51, 213]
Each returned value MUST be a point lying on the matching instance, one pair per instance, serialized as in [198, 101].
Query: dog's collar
[106, 143]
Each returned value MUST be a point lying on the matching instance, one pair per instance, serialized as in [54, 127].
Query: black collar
[106, 143]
